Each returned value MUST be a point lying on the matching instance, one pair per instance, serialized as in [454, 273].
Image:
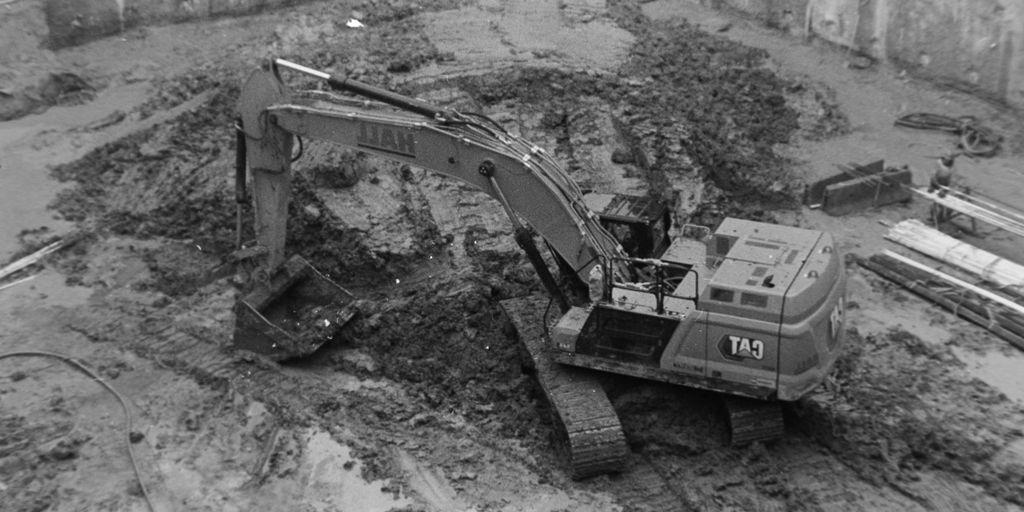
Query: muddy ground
[421, 403]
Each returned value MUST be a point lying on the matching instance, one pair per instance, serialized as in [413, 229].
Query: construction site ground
[422, 403]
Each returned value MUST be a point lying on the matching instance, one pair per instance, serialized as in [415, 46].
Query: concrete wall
[73, 22]
[978, 44]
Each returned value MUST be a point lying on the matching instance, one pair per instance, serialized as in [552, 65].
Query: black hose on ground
[975, 139]
[124, 406]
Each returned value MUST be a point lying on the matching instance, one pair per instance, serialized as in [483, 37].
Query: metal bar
[240, 195]
[302, 69]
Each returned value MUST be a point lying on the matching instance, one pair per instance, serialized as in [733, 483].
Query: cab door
[688, 352]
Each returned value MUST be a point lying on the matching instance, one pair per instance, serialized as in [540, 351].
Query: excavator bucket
[299, 310]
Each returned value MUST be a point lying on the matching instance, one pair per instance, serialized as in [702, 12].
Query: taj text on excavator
[751, 310]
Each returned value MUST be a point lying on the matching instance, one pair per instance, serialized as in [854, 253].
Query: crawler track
[753, 420]
[591, 429]
[648, 486]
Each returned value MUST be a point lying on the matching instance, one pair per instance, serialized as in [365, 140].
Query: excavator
[753, 311]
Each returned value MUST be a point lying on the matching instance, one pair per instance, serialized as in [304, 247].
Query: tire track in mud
[160, 340]
[648, 486]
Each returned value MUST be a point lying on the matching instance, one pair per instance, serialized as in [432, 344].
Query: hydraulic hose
[975, 139]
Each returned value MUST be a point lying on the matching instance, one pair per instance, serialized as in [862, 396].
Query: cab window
[721, 295]
[753, 299]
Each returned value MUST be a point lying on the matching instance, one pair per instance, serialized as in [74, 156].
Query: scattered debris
[860, 62]
[259, 470]
[66, 88]
[115, 117]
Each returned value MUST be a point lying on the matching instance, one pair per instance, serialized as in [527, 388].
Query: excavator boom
[520, 175]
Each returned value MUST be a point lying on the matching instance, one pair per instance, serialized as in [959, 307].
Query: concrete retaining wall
[977, 44]
[73, 22]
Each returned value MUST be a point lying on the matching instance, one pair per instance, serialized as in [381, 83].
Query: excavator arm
[521, 176]
[715, 339]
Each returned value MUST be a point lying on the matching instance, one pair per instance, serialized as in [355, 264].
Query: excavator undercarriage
[590, 429]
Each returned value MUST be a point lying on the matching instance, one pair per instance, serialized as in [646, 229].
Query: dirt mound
[462, 357]
[895, 407]
[685, 103]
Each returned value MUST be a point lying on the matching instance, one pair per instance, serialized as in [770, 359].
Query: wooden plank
[19, 281]
[876, 264]
[964, 284]
[956, 298]
[995, 269]
[29, 260]
[978, 210]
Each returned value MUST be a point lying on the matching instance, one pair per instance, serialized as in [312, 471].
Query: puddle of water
[332, 487]
[353, 383]
[27, 189]
[1000, 370]
[25, 184]
[34, 296]
[337, 379]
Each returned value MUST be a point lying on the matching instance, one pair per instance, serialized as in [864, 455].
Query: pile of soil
[717, 114]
